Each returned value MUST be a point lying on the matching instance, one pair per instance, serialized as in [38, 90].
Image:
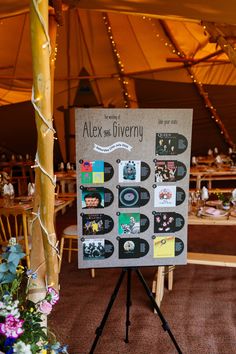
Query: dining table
[66, 181]
[199, 174]
[200, 218]
[210, 216]
[26, 203]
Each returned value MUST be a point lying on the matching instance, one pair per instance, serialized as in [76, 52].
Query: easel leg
[128, 304]
[164, 322]
[108, 309]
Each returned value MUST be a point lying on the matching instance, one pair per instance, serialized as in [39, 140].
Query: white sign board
[132, 183]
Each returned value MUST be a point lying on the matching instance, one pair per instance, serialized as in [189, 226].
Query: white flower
[21, 348]
[9, 307]
[234, 194]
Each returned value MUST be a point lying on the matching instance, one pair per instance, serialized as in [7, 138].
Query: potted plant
[21, 320]
[225, 198]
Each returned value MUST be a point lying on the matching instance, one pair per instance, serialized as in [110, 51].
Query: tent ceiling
[207, 10]
[158, 46]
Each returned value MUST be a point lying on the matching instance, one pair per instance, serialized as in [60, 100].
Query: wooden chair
[159, 282]
[13, 223]
[69, 235]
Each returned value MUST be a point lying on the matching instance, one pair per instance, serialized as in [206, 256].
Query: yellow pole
[43, 117]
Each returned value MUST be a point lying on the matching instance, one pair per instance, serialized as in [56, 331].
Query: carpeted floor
[200, 309]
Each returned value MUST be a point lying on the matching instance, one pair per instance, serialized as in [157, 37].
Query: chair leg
[93, 273]
[61, 253]
[159, 285]
[170, 277]
[69, 250]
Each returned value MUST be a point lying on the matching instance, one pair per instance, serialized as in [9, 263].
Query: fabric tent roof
[155, 48]
[197, 10]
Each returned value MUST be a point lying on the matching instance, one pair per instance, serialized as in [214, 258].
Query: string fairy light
[204, 94]
[38, 217]
[47, 43]
[52, 179]
[118, 62]
[48, 123]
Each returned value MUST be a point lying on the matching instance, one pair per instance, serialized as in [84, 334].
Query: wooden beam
[200, 88]
[192, 61]
[218, 36]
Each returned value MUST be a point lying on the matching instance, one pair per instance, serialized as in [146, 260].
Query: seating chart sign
[132, 186]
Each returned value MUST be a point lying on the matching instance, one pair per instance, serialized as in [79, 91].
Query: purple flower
[12, 328]
[52, 295]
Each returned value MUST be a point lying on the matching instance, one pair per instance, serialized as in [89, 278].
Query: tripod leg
[108, 309]
[128, 304]
[164, 322]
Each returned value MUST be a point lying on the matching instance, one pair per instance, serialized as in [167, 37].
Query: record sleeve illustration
[95, 172]
[132, 223]
[132, 197]
[133, 171]
[167, 246]
[96, 197]
[167, 222]
[170, 143]
[169, 170]
[168, 196]
[132, 247]
[97, 249]
[96, 224]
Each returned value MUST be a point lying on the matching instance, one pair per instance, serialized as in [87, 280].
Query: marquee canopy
[112, 53]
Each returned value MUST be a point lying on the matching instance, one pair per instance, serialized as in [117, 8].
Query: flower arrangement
[226, 198]
[21, 320]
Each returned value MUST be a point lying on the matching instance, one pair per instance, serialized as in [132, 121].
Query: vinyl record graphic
[169, 171]
[182, 143]
[179, 246]
[144, 223]
[109, 248]
[167, 222]
[170, 144]
[128, 197]
[108, 197]
[144, 247]
[132, 247]
[96, 197]
[145, 171]
[96, 224]
[144, 196]
[180, 196]
[133, 197]
[168, 196]
[108, 171]
[97, 249]
[132, 223]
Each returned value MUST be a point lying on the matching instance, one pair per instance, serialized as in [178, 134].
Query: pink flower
[45, 307]
[53, 295]
[12, 327]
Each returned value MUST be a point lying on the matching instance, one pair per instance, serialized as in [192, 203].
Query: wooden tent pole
[218, 37]
[41, 99]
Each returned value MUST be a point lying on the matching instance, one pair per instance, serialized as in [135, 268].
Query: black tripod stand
[128, 304]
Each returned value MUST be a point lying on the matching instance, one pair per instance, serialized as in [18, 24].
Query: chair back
[14, 223]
